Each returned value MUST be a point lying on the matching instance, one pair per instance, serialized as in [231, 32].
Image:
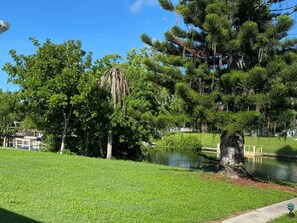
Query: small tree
[115, 80]
[48, 82]
[9, 112]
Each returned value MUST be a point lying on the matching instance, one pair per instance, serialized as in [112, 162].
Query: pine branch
[271, 2]
[167, 5]
[200, 54]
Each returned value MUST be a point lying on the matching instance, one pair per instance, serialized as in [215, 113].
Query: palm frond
[115, 80]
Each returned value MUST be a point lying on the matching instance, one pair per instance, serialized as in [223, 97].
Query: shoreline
[268, 155]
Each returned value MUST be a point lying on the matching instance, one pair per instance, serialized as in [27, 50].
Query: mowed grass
[48, 187]
[276, 145]
[285, 219]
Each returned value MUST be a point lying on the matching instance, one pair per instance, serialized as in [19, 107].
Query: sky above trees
[105, 27]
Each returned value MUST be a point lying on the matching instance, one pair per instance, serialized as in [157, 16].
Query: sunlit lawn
[285, 219]
[48, 187]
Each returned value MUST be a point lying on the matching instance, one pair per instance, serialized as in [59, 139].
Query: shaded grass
[276, 145]
[48, 187]
[8, 216]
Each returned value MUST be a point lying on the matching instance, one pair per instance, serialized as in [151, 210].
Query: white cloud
[138, 4]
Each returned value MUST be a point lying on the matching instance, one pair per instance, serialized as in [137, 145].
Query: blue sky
[105, 27]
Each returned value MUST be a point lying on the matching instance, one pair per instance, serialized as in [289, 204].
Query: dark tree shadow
[11, 217]
[205, 167]
[286, 152]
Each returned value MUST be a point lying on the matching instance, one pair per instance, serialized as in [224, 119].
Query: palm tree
[116, 81]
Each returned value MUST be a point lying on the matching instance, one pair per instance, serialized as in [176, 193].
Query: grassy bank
[46, 187]
[274, 145]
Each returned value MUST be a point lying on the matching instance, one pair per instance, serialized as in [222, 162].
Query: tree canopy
[60, 94]
[233, 65]
[48, 82]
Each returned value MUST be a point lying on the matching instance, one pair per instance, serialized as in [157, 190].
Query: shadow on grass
[11, 217]
[205, 167]
[286, 150]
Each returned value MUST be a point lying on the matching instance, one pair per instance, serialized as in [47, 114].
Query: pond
[265, 168]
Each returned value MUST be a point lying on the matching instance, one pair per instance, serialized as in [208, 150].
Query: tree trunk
[64, 134]
[62, 148]
[232, 154]
[109, 145]
[204, 127]
[4, 141]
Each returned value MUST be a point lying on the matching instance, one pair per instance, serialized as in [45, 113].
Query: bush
[51, 143]
[179, 142]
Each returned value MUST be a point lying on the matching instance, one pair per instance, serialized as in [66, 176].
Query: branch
[271, 2]
[282, 9]
[197, 54]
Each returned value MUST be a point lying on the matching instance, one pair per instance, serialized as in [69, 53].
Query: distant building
[179, 129]
[30, 140]
[23, 139]
[4, 26]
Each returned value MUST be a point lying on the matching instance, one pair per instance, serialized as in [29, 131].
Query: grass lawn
[285, 219]
[275, 145]
[47, 187]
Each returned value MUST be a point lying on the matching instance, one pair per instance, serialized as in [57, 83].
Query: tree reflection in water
[265, 168]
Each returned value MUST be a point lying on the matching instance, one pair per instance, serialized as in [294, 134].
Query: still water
[265, 168]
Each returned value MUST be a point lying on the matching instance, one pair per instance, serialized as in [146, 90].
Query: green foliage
[9, 112]
[233, 122]
[166, 4]
[235, 60]
[145, 38]
[128, 134]
[91, 115]
[60, 91]
[248, 35]
[51, 143]
[274, 145]
[179, 142]
[48, 81]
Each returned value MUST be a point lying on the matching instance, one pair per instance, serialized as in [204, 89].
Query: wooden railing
[249, 150]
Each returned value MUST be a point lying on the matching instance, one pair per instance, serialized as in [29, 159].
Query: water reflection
[269, 168]
[266, 168]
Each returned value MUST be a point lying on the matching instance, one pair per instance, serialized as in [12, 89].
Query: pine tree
[233, 66]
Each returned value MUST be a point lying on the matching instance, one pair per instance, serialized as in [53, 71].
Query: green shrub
[51, 143]
[179, 142]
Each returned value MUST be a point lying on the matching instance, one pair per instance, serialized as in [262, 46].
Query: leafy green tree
[91, 116]
[143, 101]
[143, 96]
[9, 112]
[133, 119]
[48, 82]
[149, 103]
[232, 66]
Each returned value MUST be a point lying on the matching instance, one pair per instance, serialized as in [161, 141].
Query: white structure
[4, 26]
